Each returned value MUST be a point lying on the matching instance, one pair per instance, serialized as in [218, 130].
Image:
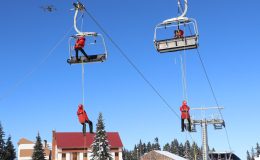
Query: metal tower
[216, 122]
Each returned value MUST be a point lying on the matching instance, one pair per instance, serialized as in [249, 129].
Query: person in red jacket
[178, 33]
[83, 119]
[79, 45]
[185, 115]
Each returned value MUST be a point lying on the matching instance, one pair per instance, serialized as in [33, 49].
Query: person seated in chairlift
[185, 115]
[83, 119]
[178, 33]
[79, 45]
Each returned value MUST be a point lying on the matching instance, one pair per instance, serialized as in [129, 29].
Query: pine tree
[252, 154]
[2, 142]
[9, 150]
[156, 145]
[38, 153]
[181, 150]
[257, 149]
[175, 147]
[144, 148]
[167, 147]
[100, 145]
[196, 152]
[149, 147]
[248, 157]
[187, 150]
[140, 148]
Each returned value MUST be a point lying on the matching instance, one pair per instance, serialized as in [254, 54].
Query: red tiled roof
[76, 140]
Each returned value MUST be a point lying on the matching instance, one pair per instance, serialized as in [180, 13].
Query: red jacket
[185, 112]
[80, 43]
[179, 33]
[82, 115]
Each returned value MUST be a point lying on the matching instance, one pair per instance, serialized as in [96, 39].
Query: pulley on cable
[98, 52]
[178, 40]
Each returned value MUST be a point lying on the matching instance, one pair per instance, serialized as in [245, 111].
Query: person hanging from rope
[79, 45]
[185, 115]
[83, 119]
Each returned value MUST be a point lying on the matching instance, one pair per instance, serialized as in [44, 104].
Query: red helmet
[184, 102]
[80, 105]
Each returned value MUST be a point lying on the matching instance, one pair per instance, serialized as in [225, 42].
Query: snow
[171, 155]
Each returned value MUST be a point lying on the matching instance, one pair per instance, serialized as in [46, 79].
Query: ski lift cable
[35, 68]
[214, 95]
[132, 64]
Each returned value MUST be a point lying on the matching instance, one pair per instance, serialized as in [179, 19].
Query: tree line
[7, 150]
[255, 152]
[187, 150]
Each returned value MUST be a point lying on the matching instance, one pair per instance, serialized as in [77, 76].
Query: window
[63, 156]
[85, 154]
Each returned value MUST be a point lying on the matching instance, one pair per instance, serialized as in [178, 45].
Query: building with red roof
[76, 146]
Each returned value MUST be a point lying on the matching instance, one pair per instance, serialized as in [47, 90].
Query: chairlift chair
[96, 57]
[173, 44]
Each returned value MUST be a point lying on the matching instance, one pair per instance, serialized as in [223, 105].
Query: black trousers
[183, 125]
[82, 51]
[90, 127]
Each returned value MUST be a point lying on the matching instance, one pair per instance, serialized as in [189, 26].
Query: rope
[83, 88]
[211, 88]
[133, 65]
[214, 95]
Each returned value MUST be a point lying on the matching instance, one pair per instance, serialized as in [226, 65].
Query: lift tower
[216, 122]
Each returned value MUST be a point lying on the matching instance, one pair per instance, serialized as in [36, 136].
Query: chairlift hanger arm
[182, 17]
[78, 7]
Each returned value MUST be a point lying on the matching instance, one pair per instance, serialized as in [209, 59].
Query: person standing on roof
[185, 115]
[83, 119]
[79, 45]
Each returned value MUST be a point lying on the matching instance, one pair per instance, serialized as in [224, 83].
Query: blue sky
[44, 96]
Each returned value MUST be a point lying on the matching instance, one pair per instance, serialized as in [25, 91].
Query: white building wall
[112, 155]
[67, 156]
[120, 156]
[81, 156]
[59, 157]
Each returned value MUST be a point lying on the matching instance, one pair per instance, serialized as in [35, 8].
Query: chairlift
[175, 43]
[92, 57]
[219, 125]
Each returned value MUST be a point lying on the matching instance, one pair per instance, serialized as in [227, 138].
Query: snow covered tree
[149, 147]
[175, 147]
[181, 150]
[196, 152]
[248, 157]
[2, 142]
[252, 154]
[187, 150]
[9, 150]
[167, 147]
[144, 148]
[38, 153]
[156, 145]
[257, 150]
[100, 147]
